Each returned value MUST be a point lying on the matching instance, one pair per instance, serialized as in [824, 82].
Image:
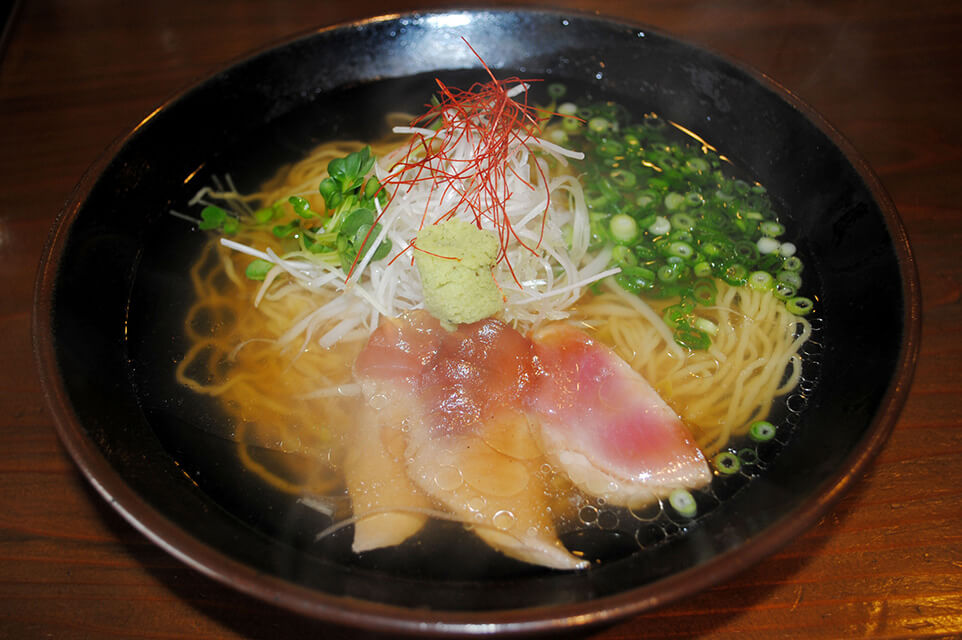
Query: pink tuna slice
[605, 426]
[459, 395]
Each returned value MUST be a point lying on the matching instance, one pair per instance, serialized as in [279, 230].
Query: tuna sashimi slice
[459, 398]
[605, 425]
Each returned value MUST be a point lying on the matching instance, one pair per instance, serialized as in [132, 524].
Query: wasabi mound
[454, 259]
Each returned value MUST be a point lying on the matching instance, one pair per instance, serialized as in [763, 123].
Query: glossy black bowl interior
[116, 266]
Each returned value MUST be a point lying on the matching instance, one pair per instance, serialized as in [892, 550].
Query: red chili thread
[486, 111]
[498, 122]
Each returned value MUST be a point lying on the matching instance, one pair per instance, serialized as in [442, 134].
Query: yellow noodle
[721, 391]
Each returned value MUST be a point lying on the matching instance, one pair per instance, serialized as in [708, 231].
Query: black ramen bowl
[114, 284]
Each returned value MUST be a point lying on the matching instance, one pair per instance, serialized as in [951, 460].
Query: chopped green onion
[771, 228]
[683, 502]
[746, 250]
[556, 90]
[761, 431]
[571, 125]
[784, 291]
[711, 249]
[682, 221]
[787, 249]
[622, 178]
[791, 278]
[800, 305]
[610, 148]
[706, 325]
[623, 228]
[702, 269]
[632, 140]
[704, 292]
[727, 463]
[658, 184]
[691, 338]
[660, 226]
[793, 263]
[595, 198]
[681, 250]
[623, 256]
[636, 279]
[767, 245]
[598, 125]
[677, 218]
[644, 200]
[669, 272]
[674, 200]
[761, 280]
[676, 314]
[735, 274]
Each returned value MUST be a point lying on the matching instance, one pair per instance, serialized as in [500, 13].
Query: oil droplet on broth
[645, 506]
[503, 520]
[379, 401]
[448, 478]
[588, 514]
[608, 519]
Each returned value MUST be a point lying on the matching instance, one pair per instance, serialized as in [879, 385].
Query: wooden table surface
[885, 563]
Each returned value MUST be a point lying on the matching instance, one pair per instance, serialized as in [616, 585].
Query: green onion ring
[761, 431]
[726, 463]
[683, 502]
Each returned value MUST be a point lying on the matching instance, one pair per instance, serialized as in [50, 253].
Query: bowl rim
[382, 617]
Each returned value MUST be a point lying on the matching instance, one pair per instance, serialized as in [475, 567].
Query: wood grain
[885, 563]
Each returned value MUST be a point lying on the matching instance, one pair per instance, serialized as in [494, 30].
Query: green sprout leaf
[258, 269]
[287, 230]
[330, 191]
[302, 207]
[355, 220]
[212, 217]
